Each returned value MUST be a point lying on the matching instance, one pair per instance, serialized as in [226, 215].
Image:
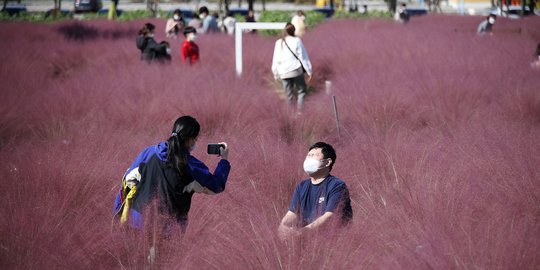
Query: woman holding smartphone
[168, 173]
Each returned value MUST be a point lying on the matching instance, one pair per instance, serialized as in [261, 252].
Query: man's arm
[320, 221]
[289, 220]
[287, 226]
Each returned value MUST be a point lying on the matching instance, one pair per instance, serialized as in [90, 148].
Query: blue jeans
[289, 84]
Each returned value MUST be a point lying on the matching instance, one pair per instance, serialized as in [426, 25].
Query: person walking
[289, 63]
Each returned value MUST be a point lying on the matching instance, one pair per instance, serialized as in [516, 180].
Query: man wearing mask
[318, 200]
[209, 23]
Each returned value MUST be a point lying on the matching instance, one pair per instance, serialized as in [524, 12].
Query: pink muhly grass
[438, 145]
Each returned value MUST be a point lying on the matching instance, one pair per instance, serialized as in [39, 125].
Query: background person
[229, 23]
[299, 22]
[485, 27]
[113, 10]
[209, 22]
[169, 173]
[402, 15]
[250, 18]
[190, 50]
[536, 60]
[289, 63]
[151, 50]
[195, 22]
[319, 199]
[175, 24]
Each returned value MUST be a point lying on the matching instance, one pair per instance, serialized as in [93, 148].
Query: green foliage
[313, 18]
[274, 16]
[34, 17]
[240, 18]
[46, 17]
[138, 14]
[369, 14]
[127, 15]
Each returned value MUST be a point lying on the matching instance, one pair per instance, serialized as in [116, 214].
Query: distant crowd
[203, 22]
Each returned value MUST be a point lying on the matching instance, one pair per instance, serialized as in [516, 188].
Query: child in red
[190, 50]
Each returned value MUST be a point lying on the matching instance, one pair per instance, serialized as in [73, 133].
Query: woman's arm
[214, 182]
[304, 58]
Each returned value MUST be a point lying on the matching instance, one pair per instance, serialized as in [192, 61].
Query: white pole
[238, 49]
[239, 27]
[336, 115]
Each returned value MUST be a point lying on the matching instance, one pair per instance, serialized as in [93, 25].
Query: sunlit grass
[438, 145]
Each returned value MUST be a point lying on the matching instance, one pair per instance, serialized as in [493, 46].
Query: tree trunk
[152, 6]
[250, 4]
[392, 6]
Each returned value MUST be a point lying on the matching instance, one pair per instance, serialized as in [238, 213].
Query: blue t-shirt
[311, 201]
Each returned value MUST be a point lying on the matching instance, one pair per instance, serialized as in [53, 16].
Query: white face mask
[202, 16]
[176, 17]
[151, 35]
[191, 37]
[312, 165]
[168, 50]
[491, 20]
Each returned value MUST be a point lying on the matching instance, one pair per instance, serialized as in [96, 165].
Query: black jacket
[150, 49]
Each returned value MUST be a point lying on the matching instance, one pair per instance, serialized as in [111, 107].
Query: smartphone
[215, 148]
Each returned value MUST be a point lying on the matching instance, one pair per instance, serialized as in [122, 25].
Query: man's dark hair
[327, 151]
[204, 9]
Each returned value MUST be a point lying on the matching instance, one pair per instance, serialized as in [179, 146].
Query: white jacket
[284, 61]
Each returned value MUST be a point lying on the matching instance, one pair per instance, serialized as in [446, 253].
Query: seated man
[319, 199]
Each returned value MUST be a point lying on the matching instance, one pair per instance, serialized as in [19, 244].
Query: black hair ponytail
[185, 128]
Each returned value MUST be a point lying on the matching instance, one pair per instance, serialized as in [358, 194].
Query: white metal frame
[239, 27]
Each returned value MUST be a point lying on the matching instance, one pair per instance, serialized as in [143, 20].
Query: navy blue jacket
[161, 181]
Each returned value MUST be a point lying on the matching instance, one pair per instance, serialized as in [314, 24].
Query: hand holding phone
[219, 149]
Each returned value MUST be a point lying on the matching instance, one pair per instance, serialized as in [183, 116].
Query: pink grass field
[439, 145]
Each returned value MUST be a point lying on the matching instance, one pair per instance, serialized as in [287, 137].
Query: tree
[226, 3]
[152, 6]
[57, 7]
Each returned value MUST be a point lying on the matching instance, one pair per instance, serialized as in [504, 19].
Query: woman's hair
[289, 30]
[147, 29]
[185, 128]
[537, 50]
